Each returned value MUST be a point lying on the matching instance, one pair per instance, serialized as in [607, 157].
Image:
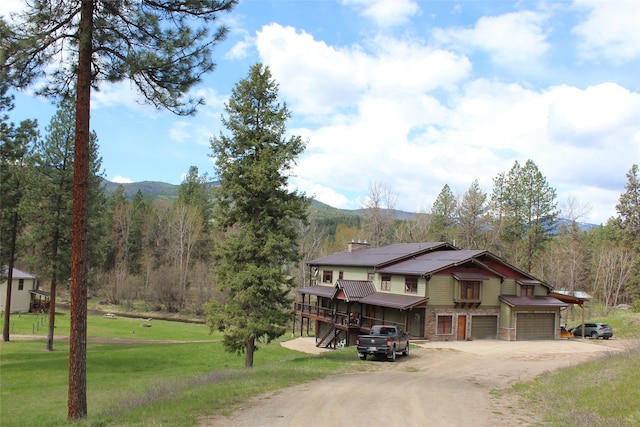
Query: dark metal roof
[376, 257]
[528, 281]
[355, 290]
[432, 262]
[401, 302]
[321, 291]
[39, 292]
[470, 276]
[516, 301]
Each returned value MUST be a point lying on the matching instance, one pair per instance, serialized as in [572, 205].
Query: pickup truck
[383, 340]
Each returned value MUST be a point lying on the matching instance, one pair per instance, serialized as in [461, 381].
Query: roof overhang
[570, 299]
[39, 292]
[470, 276]
[400, 302]
[546, 302]
[320, 291]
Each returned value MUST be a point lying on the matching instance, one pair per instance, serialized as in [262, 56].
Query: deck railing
[340, 318]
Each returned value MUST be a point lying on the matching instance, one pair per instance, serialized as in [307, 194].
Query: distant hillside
[153, 189]
[323, 212]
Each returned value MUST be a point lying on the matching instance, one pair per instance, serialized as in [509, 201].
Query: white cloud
[385, 13]
[241, 49]
[318, 79]
[121, 94]
[517, 37]
[611, 30]
[121, 180]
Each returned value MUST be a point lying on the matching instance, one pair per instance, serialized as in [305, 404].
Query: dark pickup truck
[383, 340]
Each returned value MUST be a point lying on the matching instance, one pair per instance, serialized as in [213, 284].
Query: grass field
[604, 392]
[137, 376]
[143, 382]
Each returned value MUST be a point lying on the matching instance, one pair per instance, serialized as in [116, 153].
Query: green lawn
[145, 383]
[148, 383]
[603, 392]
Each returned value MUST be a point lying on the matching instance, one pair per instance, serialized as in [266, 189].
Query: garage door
[484, 327]
[535, 326]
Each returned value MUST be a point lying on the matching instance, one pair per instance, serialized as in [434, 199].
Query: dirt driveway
[439, 384]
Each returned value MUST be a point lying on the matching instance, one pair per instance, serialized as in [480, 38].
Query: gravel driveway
[439, 384]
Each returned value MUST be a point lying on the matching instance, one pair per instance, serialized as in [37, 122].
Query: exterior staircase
[328, 337]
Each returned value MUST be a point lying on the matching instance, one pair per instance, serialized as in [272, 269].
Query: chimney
[354, 246]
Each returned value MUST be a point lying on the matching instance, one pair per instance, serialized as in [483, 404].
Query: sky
[409, 95]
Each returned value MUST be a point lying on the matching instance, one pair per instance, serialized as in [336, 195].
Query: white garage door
[535, 326]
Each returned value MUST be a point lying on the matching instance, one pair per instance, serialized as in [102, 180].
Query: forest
[154, 250]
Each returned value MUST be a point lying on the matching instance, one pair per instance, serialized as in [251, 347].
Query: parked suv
[594, 330]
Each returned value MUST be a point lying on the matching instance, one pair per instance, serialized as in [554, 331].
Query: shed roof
[516, 301]
[398, 301]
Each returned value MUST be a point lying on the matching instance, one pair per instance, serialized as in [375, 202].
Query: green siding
[490, 292]
[441, 290]
[509, 287]
[506, 320]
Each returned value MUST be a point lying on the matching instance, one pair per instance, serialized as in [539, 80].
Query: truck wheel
[362, 356]
[406, 351]
[392, 357]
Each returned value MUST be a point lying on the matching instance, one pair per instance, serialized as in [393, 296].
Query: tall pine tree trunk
[12, 255]
[77, 398]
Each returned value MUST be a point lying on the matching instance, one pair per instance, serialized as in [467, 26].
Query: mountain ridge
[163, 190]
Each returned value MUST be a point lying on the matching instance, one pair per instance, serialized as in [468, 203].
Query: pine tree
[471, 212]
[153, 44]
[256, 209]
[15, 150]
[49, 202]
[443, 214]
[628, 220]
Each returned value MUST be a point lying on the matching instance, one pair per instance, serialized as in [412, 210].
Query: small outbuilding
[24, 291]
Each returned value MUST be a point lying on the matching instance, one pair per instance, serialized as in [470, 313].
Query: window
[370, 276]
[411, 284]
[340, 275]
[385, 282]
[444, 325]
[470, 290]
[527, 290]
[327, 276]
[20, 284]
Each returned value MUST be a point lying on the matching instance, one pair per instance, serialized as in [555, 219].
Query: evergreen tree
[153, 44]
[628, 219]
[257, 210]
[443, 220]
[15, 150]
[527, 210]
[471, 212]
[628, 209]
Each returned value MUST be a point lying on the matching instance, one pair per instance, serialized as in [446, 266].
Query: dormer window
[527, 290]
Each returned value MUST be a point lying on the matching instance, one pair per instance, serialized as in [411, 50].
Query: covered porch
[339, 313]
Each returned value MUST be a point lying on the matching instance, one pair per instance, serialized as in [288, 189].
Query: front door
[462, 328]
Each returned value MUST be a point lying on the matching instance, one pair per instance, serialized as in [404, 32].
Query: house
[432, 290]
[24, 292]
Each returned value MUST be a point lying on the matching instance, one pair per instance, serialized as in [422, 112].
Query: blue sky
[412, 95]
